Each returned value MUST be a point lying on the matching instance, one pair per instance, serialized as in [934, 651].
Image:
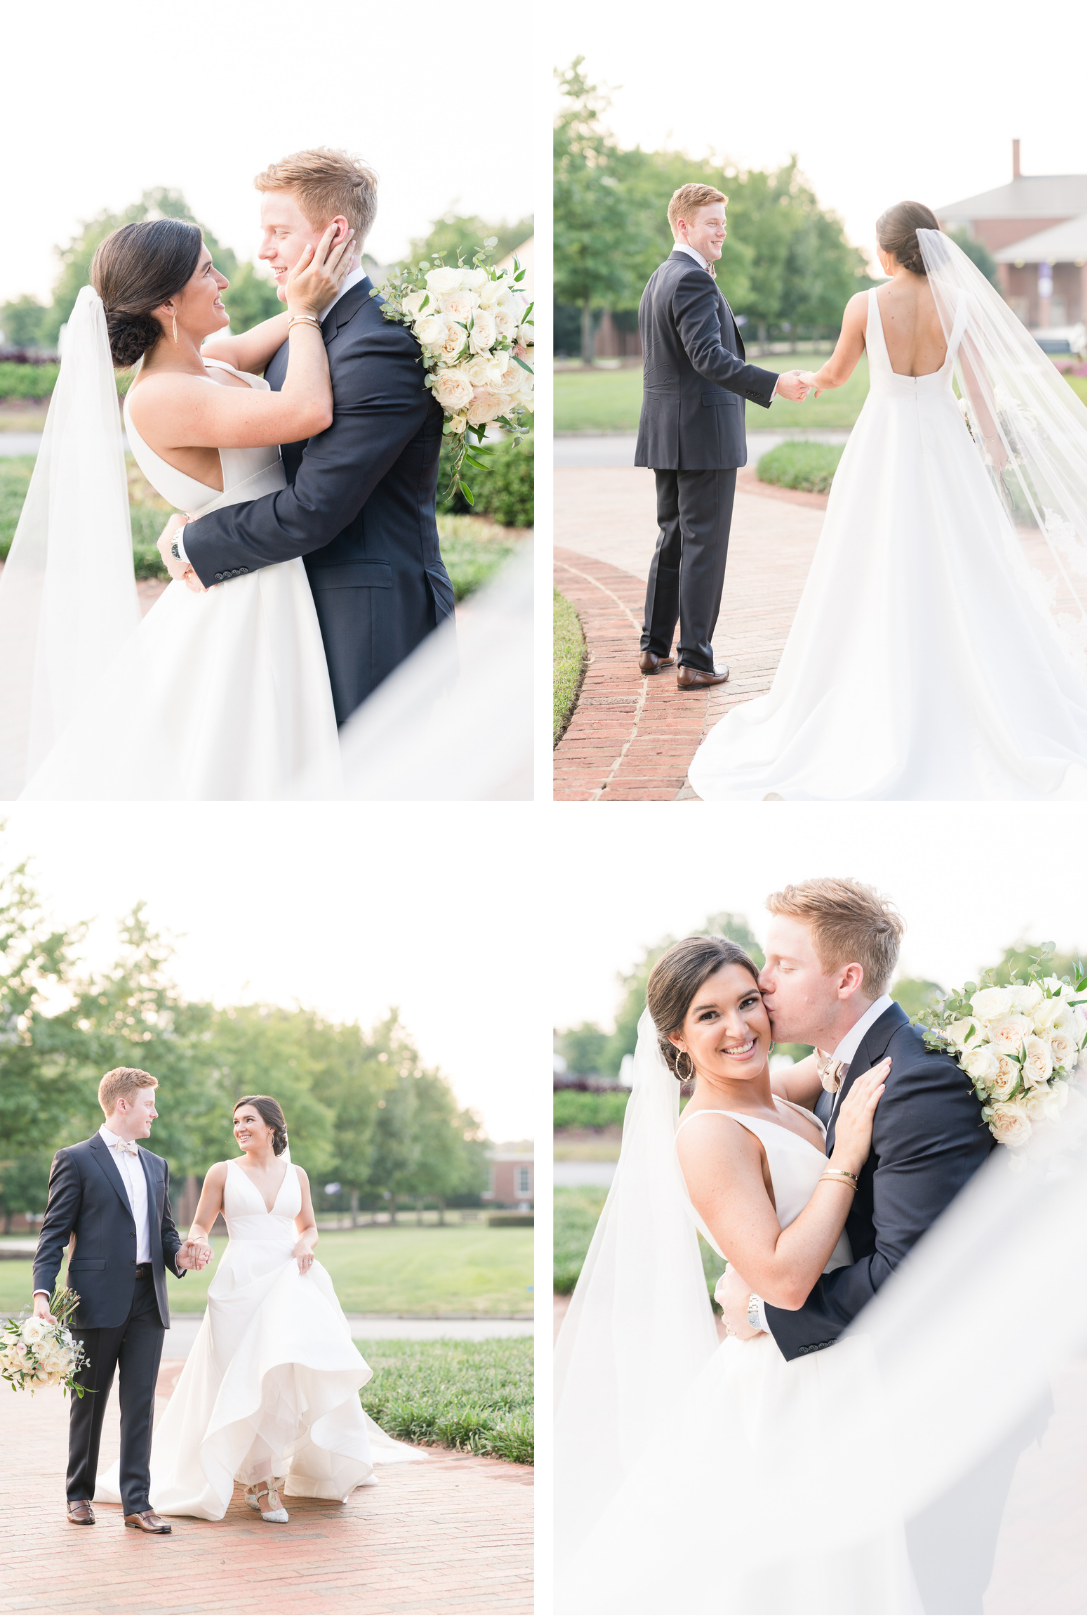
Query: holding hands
[794, 384]
[194, 1254]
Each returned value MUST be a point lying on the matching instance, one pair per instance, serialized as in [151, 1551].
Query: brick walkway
[452, 1535]
[631, 739]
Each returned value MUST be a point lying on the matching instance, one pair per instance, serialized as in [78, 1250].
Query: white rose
[980, 1065]
[482, 336]
[473, 279]
[1008, 1075]
[989, 1003]
[459, 305]
[32, 1329]
[1048, 1012]
[1025, 996]
[452, 389]
[440, 281]
[1010, 1123]
[431, 331]
[415, 300]
[506, 323]
[1038, 1064]
[492, 292]
[1042, 1105]
[1007, 1034]
[508, 379]
[1063, 1050]
[485, 407]
[453, 343]
[479, 370]
[964, 1034]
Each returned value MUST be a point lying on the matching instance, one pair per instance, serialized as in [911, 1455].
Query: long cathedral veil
[1029, 428]
[945, 1378]
[68, 591]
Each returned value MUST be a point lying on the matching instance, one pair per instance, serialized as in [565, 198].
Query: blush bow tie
[831, 1072]
[128, 1146]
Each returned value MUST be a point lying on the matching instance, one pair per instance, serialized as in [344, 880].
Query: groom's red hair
[851, 924]
[326, 182]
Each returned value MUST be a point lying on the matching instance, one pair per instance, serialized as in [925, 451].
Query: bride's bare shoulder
[710, 1133]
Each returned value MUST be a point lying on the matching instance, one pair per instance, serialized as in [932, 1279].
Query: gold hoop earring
[685, 1077]
[175, 329]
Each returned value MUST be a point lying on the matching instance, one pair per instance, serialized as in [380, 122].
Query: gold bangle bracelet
[303, 319]
[834, 1178]
[842, 1172]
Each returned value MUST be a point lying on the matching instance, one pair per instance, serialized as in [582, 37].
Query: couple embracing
[937, 652]
[269, 1396]
[306, 568]
[828, 1455]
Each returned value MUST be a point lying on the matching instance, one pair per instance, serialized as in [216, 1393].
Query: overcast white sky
[102, 101]
[342, 909]
[967, 879]
[880, 103]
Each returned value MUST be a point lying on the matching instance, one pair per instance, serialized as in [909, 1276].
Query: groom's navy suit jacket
[87, 1198]
[928, 1140]
[359, 505]
[694, 375]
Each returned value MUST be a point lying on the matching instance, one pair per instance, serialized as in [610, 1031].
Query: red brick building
[1035, 228]
[512, 1181]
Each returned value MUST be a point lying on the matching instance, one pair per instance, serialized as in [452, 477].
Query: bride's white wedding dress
[744, 1420]
[271, 1386]
[223, 696]
[922, 664]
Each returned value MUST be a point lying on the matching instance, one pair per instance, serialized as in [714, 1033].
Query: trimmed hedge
[574, 1108]
[27, 381]
[801, 464]
[505, 493]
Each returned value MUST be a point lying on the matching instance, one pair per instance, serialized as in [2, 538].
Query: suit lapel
[153, 1180]
[348, 305]
[101, 1153]
[873, 1047]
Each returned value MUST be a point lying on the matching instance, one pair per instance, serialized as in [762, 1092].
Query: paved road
[179, 1338]
[576, 1175]
[618, 448]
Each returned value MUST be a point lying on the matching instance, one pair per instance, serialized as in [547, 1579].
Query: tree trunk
[419, 1209]
[392, 1209]
[7, 1221]
[761, 332]
[355, 1209]
[587, 334]
[441, 1210]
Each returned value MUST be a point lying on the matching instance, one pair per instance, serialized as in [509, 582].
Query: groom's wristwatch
[753, 1312]
[174, 551]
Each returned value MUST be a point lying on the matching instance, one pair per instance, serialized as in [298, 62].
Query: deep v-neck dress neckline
[269, 1210]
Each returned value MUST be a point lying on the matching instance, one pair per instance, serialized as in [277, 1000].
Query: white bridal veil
[1029, 427]
[68, 592]
[944, 1378]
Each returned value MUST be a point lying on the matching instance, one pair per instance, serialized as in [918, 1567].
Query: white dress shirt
[351, 279]
[845, 1050]
[132, 1176]
[683, 246]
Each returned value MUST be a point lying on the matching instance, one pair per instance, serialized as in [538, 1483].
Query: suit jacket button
[219, 577]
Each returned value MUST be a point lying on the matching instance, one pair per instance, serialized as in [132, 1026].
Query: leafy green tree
[915, 994]
[21, 321]
[24, 1185]
[597, 235]
[584, 1048]
[1021, 957]
[979, 254]
[464, 234]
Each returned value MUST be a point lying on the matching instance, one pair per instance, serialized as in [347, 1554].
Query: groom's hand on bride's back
[790, 385]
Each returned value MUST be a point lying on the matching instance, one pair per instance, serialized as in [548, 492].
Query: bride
[218, 695]
[269, 1395]
[702, 1477]
[937, 651]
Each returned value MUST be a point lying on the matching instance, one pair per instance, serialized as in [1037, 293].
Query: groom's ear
[342, 228]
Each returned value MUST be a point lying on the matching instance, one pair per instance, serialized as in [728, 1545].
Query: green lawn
[609, 400]
[416, 1271]
[574, 1219]
[569, 656]
[799, 464]
[476, 1396]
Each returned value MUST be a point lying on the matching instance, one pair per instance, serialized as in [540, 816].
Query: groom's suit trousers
[134, 1349]
[687, 573]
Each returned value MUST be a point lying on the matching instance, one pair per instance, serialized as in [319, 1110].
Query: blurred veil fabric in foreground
[454, 723]
[885, 1474]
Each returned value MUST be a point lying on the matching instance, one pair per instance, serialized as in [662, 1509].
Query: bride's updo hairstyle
[134, 270]
[677, 978]
[897, 232]
[270, 1112]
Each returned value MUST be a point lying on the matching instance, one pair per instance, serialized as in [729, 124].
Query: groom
[691, 431]
[359, 506]
[111, 1199]
[832, 948]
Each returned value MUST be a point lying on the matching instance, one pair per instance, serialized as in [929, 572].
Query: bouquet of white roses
[1018, 1043]
[475, 329]
[35, 1353]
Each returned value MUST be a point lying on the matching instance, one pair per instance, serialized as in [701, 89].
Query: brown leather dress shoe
[147, 1521]
[697, 679]
[80, 1512]
[648, 662]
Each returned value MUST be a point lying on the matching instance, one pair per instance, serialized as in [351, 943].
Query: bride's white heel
[270, 1490]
